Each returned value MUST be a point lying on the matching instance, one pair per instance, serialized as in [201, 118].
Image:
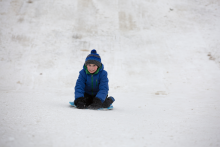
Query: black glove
[96, 104]
[108, 101]
[80, 103]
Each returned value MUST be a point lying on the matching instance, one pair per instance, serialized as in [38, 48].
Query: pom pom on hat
[93, 51]
[93, 58]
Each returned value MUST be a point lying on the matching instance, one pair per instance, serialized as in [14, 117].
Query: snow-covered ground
[163, 63]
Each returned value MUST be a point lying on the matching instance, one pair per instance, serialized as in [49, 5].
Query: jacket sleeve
[80, 85]
[103, 86]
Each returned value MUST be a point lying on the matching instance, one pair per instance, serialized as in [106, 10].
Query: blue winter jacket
[95, 84]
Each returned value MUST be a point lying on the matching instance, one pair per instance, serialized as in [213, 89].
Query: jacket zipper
[92, 83]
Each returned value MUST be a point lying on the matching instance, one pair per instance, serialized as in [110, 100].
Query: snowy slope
[163, 63]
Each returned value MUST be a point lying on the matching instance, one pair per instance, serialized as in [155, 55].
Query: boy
[91, 90]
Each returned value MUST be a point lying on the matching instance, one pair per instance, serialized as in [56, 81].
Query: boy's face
[92, 68]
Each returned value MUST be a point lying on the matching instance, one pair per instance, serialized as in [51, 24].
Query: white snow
[163, 63]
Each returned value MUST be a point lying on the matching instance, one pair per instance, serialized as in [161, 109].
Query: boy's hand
[96, 104]
[80, 103]
[108, 101]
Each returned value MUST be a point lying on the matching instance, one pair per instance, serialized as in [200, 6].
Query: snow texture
[163, 63]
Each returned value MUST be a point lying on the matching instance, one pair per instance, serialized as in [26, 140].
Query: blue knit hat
[93, 58]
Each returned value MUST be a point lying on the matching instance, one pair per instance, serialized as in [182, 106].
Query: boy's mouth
[91, 71]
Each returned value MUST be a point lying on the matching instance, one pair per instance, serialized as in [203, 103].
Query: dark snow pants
[89, 100]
